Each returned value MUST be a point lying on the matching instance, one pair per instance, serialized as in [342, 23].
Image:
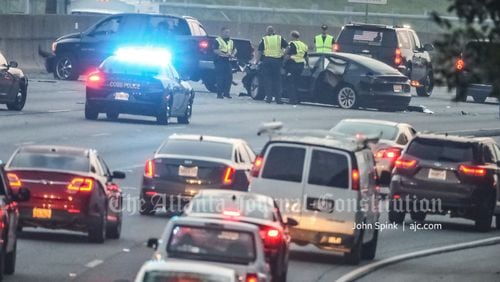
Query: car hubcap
[347, 98]
[64, 68]
[254, 87]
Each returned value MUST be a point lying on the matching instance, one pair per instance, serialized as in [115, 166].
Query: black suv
[396, 46]
[473, 70]
[439, 174]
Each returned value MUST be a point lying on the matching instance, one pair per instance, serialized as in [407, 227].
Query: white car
[153, 271]
[328, 184]
[233, 245]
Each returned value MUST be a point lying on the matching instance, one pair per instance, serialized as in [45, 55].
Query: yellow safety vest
[301, 51]
[323, 46]
[225, 47]
[272, 46]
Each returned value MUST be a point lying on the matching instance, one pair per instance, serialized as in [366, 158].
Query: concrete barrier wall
[21, 35]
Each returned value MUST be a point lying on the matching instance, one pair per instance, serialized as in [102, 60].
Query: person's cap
[324, 27]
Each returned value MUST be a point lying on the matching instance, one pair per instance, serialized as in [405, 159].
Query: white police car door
[330, 203]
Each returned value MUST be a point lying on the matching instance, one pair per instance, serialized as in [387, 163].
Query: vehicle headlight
[54, 44]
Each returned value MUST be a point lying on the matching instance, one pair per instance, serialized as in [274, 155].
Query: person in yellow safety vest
[296, 57]
[224, 51]
[270, 53]
[324, 42]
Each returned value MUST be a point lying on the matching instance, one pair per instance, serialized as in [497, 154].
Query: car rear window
[181, 276]
[367, 36]
[284, 163]
[441, 150]
[50, 161]
[388, 132]
[212, 244]
[206, 149]
[329, 169]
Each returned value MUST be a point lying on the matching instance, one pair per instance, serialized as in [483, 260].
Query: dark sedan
[13, 85]
[347, 80]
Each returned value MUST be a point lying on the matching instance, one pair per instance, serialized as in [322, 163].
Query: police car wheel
[90, 112]
[112, 115]
[163, 116]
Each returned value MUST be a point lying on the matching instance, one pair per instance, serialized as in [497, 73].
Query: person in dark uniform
[224, 51]
[270, 53]
[295, 58]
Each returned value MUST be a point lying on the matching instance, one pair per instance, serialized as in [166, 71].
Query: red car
[9, 216]
[71, 188]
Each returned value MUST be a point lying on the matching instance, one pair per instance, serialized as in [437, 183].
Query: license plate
[121, 96]
[320, 205]
[42, 213]
[437, 174]
[398, 88]
[188, 171]
[334, 240]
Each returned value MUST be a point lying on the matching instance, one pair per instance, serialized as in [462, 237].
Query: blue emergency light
[154, 56]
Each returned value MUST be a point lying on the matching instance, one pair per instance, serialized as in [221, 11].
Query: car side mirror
[118, 175]
[153, 243]
[402, 69]
[13, 64]
[428, 47]
[291, 222]
[22, 195]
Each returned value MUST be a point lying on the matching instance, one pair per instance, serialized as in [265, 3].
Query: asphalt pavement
[54, 115]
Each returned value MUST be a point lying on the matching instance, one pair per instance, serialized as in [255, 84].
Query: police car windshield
[116, 66]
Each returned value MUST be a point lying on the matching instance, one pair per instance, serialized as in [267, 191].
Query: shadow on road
[70, 238]
[308, 256]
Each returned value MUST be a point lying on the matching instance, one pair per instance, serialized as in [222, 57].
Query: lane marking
[372, 267]
[129, 188]
[58, 111]
[25, 143]
[100, 134]
[130, 167]
[94, 263]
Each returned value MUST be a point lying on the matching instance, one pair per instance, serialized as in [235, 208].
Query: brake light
[459, 64]
[405, 164]
[472, 170]
[398, 59]
[81, 184]
[257, 165]
[95, 79]
[388, 153]
[203, 44]
[273, 233]
[149, 169]
[336, 47]
[355, 179]
[252, 277]
[271, 237]
[228, 176]
[14, 180]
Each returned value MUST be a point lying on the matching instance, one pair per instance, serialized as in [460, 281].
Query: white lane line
[94, 263]
[58, 111]
[130, 167]
[25, 143]
[100, 134]
[129, 188]
[369, 268]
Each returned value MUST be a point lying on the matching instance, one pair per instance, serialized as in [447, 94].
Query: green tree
[479, 21]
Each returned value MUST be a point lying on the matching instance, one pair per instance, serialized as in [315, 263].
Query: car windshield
[389, 132]
[441, 150]
[50, 161]
[245, 205]
[212, 244]
[182, 276]
[207, 149]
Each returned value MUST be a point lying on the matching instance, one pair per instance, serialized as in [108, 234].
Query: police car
[138, 81]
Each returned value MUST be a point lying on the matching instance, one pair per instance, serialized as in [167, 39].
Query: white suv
[328, 184]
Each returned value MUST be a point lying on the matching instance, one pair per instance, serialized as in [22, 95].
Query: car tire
[479, 99]
[112, 115]
[484, 216]
[66, 67]
[254, 90]
[90, 112]
[497, 221]
[418, 216]
[97, 229]
[427, 86]
[370, 248]
[186, 119]
[210, 83]
[163, 115]
[114, 230]
[2, 260]
[353, 257]
[279, 268]
[147, 208]
[394, 215]
[10, 261]
[347, 98]
[20, 101]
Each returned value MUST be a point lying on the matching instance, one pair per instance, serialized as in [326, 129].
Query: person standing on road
[224, 51]
[270, 52]
[295, 58]
[324, 41]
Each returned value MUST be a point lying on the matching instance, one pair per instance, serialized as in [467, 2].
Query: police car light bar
[154, 56]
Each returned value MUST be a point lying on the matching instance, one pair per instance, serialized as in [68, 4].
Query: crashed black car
[347, 80]
[13, 85]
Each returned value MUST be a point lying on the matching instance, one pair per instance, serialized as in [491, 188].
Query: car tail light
[81, 184]
[252, 277]
[14, 180]
[398, 59]
[149, 169]
[459, 64]
[355, 179]
[95, 79]
[228, 176]
[391, 153]
[336, 47]
[405, 164]
[270, 236]
[257, 165]
[203, 44]
[472, 170]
